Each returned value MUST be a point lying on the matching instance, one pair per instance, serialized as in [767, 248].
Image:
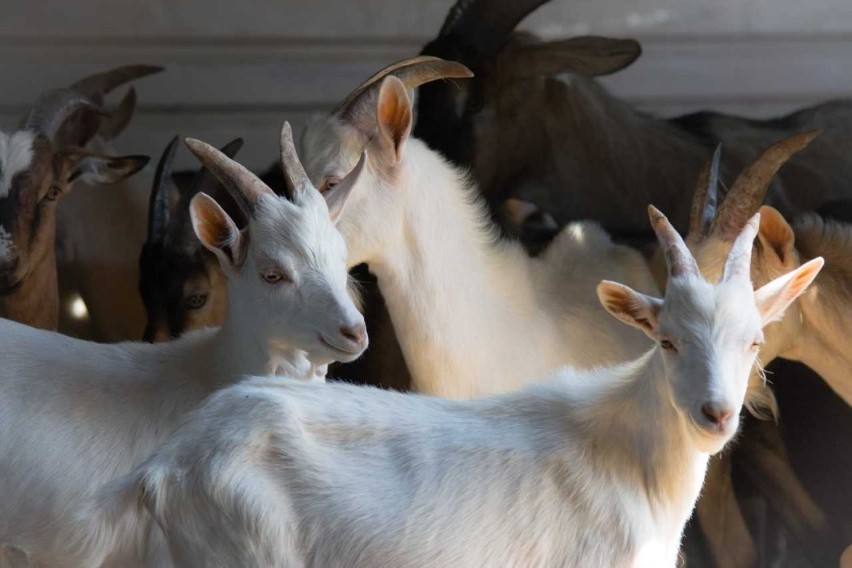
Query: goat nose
[356, 333]
[716, 413]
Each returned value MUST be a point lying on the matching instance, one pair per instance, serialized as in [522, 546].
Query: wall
[241, 68]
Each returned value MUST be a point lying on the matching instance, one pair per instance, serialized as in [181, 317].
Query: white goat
[473, 316]
[74, 414]
[598, 468]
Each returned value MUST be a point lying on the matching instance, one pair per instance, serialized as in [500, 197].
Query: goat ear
[776, 237]
[773, 298]
[393, 117]
[587, 55]
[631, 307]
[217, 232]
[79, 164]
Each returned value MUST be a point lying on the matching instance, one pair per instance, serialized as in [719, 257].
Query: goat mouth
[338, 349]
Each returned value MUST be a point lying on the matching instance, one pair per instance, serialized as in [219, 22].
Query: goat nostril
[356, 333]
[716, 414]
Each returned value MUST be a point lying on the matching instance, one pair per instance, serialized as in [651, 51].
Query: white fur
[74, 414]
[598, 468]
[473, 315]
[16, 155]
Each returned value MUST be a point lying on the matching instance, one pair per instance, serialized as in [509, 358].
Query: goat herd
[588, 436]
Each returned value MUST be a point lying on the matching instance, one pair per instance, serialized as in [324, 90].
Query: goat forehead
[328, 145]
[302, 232]
[714, 314]
[16, 155]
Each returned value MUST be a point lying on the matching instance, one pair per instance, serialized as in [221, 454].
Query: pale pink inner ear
[394, 116]
[216, 231]
[775, 297]
[629, 306]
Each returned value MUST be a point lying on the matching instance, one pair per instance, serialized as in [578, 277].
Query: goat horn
[678, 257]
[204, 181]
[158, 205]
[749, 190]
[245, 187]
[52, 108]
[103, 83]
[738, 263]
[485, 26]
[412, 72]
[706, 197]
[117, 120]
[295, 179]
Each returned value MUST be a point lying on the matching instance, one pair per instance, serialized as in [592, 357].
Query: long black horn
[483, 26]
[158, 205]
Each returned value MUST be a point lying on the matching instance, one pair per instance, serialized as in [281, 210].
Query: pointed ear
[393, 117]
[217, 232]
[773, 298]
[336, 198]
[82, 165]
[587, 55]
[776, 237]
[631, 307]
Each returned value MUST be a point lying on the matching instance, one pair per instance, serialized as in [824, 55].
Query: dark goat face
[181, 291]
[181, 283]
[33, 177]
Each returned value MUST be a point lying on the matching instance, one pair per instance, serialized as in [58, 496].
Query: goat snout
[717, 414]
[356, 333]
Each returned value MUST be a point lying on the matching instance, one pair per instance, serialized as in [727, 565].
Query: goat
[75, 414]
[39, 163]
[101, 229]
[568, 146]
[567, 473]
[180, 282]
[481, 307]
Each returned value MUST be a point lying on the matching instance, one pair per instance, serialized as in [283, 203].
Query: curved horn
[245, 187]
[485, 25]
[158, 205]
[678, 257]
[703, 211]
[103, 83]
[359, 106]
[204, 181]
[738, 263]
[749, 190]
[295, 179]
[52, 108]
[335, 200]
[117, 120]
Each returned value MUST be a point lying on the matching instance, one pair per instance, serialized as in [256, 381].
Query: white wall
[241, 68]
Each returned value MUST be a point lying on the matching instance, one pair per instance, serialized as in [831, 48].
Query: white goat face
[288, 267]
[709, 335]
[331, 149]
[296, 265]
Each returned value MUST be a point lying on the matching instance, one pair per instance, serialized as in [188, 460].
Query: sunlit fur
[594, 468]
[474, 315]
[74, 414]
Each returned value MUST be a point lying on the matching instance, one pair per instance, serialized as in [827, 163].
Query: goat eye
[52, 193]
[329, 184]
[667, 345]
[757, 345]
[273, 277]
[196, 301]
